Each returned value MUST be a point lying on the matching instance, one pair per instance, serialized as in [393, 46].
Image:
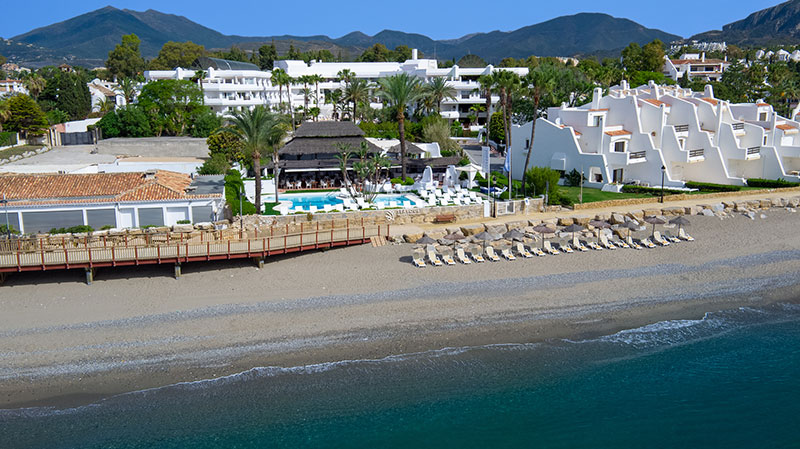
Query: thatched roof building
[320, 140]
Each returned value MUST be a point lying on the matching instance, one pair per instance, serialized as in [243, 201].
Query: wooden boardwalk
[48, 253]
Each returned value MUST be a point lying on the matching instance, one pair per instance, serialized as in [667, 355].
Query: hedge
[655, 191]
[770, 183]
[709, 187]
[406, 182]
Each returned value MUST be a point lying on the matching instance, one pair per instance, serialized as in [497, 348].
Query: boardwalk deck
[27, 255]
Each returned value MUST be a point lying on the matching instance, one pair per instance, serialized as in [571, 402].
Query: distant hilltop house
[40, 202]
[696, 67]
[781, 55]
[11, 87]
[105, 91]
[230, 84]
[634, 135]
[11, 67]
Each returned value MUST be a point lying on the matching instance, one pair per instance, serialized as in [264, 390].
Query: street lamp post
[663, 169]
[8, 228]
[239, 190]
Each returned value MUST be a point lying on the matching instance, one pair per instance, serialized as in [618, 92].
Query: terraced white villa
[631, 135]
[231, 84]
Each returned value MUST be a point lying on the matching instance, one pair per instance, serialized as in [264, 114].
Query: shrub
[537, 179]
[406, 182]
[771, 183]
[439, 131]
[497, 131]
[72, 230]
[573, 178]
[184, 222]
[709, 187]
[233, 185]
[655, 191]
[382, 130]
[106, 227]
[5, 230]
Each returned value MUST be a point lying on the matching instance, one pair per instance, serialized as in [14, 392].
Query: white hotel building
[230, 84]
[628, 135]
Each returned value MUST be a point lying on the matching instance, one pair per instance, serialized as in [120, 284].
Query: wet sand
[64, 343]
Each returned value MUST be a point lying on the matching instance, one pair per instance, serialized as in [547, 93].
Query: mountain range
[86, 39]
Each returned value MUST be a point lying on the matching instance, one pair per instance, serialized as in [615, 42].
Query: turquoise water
[729, 380]
[319, 200]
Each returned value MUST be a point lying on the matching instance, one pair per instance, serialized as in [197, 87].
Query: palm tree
[316, 79]
[438, 89]
[35, 85]
[357, 91]
[509, 83]
[105, 106]
[259, 130]
[306, 80]
[128, 87]
[199, 76]
[487, 82]
[400, 90]
[538, 83]
[345, 76]
[5, 112]
[278, 78]
[334, 97]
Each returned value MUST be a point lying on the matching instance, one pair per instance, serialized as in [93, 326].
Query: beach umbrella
[600, 224]
[514, 234]
[681, 221]
[455, 236]
[573, 228]
[485, 236]
[544, 229]
[654, 221]
[425, 240]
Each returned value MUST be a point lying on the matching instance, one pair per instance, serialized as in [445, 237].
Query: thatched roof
[328, 129]
[324, 145]
[410, 149]
[315, 164]
[434, 162]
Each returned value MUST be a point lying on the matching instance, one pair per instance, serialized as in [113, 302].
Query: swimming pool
[322, 199]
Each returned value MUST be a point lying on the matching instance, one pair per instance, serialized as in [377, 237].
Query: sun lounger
[433, 258]
[605, 243]
[578, 246]
[522, 251]
[537, 251]
[447, 257]
[457, 201]
[462, 257]
[671, 237]
[380, 205]
[549, 248]
[477, 257]
[438, 193]
[298, 209]
[407, 205]
[647, 243]
[594, 246]
[418, 258]
[660, 240]
[684, 236]
[392, 203]
[566, 249]
[312, 209]
[507, 254]
[632, 244]
[361, 203]
[491, 255]
[621, 243]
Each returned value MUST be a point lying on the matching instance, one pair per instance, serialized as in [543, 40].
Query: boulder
[672, 211]
[729, 204]
[708, 212]
[451, 230]
[765, 203]
[534, 222]
[652, 212]
[469, 230]
[566, 221]
[719, 207]
[519, 224]
[605, 216]
[637, 215]
[582, 220]
[499, 229]
[617, 218]
[794, 202]
[622, 232]
[550, 221]
[412, 238]
[183, 228]
[436, 235]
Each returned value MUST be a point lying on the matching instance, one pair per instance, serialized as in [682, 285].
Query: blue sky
[437, 19]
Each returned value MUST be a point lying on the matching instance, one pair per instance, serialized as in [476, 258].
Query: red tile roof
[96, 188]
[762, 104]
[785, 127]
[655, 102]
[621, 132]
[710, 100]
[597, 110]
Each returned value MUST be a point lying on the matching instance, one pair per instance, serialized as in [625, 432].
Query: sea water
[729, 380]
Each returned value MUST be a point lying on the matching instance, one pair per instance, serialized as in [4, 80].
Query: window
[527, 143]
[98, 218]
[682, 143]
[765, 140]
[45, 221]
[597, 120]
[151, 216]
[762, 117]
[619, 146]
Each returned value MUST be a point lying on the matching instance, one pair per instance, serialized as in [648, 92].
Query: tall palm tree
[334, 98]
[306, 80]
[5, 112]
[128, 87]
[316, 79]
[198, 77]
[278, 79]
[438, 90]
[35, 85]
[487, 84]
[400, 90]
[537, 84]
[259, 131]
[509, 83]
[345, 76]
[357, 91]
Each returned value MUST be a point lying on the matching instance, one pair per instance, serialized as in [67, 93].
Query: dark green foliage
[55, 116]
[204, 123]
[537, 179]
[379, 53]
[496, 130]
[129, 121]
[655, 191]
[573, 178]
[7, 138]
[771, 183]
[471, 61]
[184, 222]
[5, 231]
[709, 187]
[25, 116]
[217, 164]
[125, 60]
[106, 227]
[72, 230]
[267, 54]
[233, 185]
[67, 92]
[406, 182]
[639, 78]
[382, 130]
[171, 105]
[176, 54]
[269, 209]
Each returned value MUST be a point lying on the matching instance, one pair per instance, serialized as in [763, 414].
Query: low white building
[628, 135]
[231, 84]
[40, 202]
[696, 67]
[10, 87]
[105, 91]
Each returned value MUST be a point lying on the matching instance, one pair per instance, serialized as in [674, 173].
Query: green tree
[401, 53]
[177, 54]
[438, 90]
[171, 105]
[376, 53]
[537, 179]
[204, 123]
[400, 90]
[35, 84]
[128, 121]
[437, 130]
[55, 116]
[497, 131]
[471, 61]
[280, 78]
[487, 84]
[632, 58]
[259, 131]
[128, 87]
[25, 116]
[68, 92]
[357, 91]
[267, 54]
[125, 60]
[293, 54]
[652, 58]
[334, 98]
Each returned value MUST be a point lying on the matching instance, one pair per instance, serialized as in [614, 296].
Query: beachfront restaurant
[37, 203]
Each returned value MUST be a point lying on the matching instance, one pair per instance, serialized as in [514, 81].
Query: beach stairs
[377, 241]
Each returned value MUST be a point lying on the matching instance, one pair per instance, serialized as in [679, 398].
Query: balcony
[753, 153]
[638, 156]
[697, 155]
[681, 128]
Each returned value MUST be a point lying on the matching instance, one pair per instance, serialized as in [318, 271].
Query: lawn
[14, 151]
[594, 195]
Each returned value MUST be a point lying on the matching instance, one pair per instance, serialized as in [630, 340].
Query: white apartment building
[231, 84]
[627, 136]
[781, 55]
[695, 66]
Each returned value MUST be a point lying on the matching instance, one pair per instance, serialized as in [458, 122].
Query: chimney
[150, 174]
[596, 95]
[414, 54]
[709, 91]
[703, 56]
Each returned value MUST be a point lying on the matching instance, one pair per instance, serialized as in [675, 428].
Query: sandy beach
[65, 343]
